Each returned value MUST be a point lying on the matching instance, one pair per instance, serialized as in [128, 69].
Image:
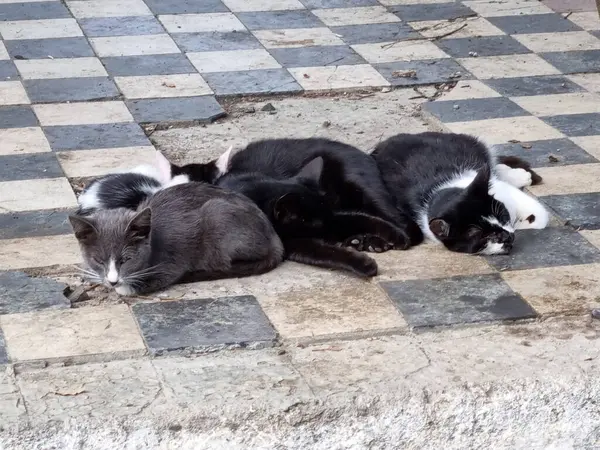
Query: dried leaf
[306, 75]
[70, 392]
[169, 84]
[328, 349]
[404, 74]
[553, 159]
[526, 146]
[514, 141]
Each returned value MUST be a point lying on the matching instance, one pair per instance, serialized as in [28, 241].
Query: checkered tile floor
[77, 78]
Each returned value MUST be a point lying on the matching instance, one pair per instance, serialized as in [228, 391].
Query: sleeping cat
[189, 232]
[128, 188]
[306, 224]
[455, 192]
[350, 182]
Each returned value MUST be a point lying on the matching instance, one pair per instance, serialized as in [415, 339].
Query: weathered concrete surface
[528, 386]
[359, 119]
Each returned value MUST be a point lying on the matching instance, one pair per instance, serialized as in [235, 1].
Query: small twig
[434, 38]
[567, 15]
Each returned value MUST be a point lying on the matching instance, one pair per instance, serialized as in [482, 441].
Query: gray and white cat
[188, 232]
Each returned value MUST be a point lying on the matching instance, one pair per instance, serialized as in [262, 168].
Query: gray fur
[189, 232]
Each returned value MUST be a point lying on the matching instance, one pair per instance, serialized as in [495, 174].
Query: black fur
[121, 190]
[414, 166]
[348, 201]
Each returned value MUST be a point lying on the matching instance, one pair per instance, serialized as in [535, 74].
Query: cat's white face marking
[494, 221]
[493, 248]
[112, 276]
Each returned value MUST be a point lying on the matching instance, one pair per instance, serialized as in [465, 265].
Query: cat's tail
[514, 162]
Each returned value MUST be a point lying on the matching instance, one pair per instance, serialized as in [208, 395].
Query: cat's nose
[507, 238]
[113, 283]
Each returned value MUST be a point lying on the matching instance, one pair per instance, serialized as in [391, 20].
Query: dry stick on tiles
[432, 38]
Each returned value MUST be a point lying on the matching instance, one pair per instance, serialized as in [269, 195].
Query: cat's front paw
[368, 243]
[366, 266]
[519, 178]
[125, 290]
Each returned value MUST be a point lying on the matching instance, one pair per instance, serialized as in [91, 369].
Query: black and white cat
[189, 232]
[456, 191]
[128, 188]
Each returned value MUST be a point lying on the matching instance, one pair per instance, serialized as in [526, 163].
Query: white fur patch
[146, 170]
[494, 221]
[178, 179]
[520, 206]
[112, 276]
[519, 178]
[223, 161]
[493, 248]
[89, 197]
[423, 221]
[124, 289]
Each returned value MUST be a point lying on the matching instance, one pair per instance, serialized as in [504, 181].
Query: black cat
[317, 193]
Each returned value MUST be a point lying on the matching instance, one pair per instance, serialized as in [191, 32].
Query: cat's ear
[440, 228]
[84, 230]
[312, 170]
[165, 168]
[287, 208]
[481, 183]
[222, 163]
[139, 227]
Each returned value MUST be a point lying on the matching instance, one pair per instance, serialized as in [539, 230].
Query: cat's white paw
[519, 178]
[124, 290]
[535, 219]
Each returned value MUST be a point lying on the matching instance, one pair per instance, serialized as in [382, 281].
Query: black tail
[514, 162]
[314, 252]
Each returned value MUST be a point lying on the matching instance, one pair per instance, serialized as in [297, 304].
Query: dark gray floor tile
[215, 41]
[271, 20]
[17, 117]
[15, 225]
[581, 211]
[542, 85]
[87, 137]
[20, 293]
[204, 324]
[71, 47]
[457, 300]
[474, 109]
[435, 11]
[29, 166]
[533, 23]
[545, 153]
[595, 33]
[374, 33]
[316, 4]
[3, 353]
[148, 65]
[71, 89]
[8, 71]
[33, 11]
[182, 109]
[427, 72]
[576, 124]
[120, 26]
[550, 247]
[186, 6]
[330, 55]
[483, 46]
[583, 61]
[271, 81]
